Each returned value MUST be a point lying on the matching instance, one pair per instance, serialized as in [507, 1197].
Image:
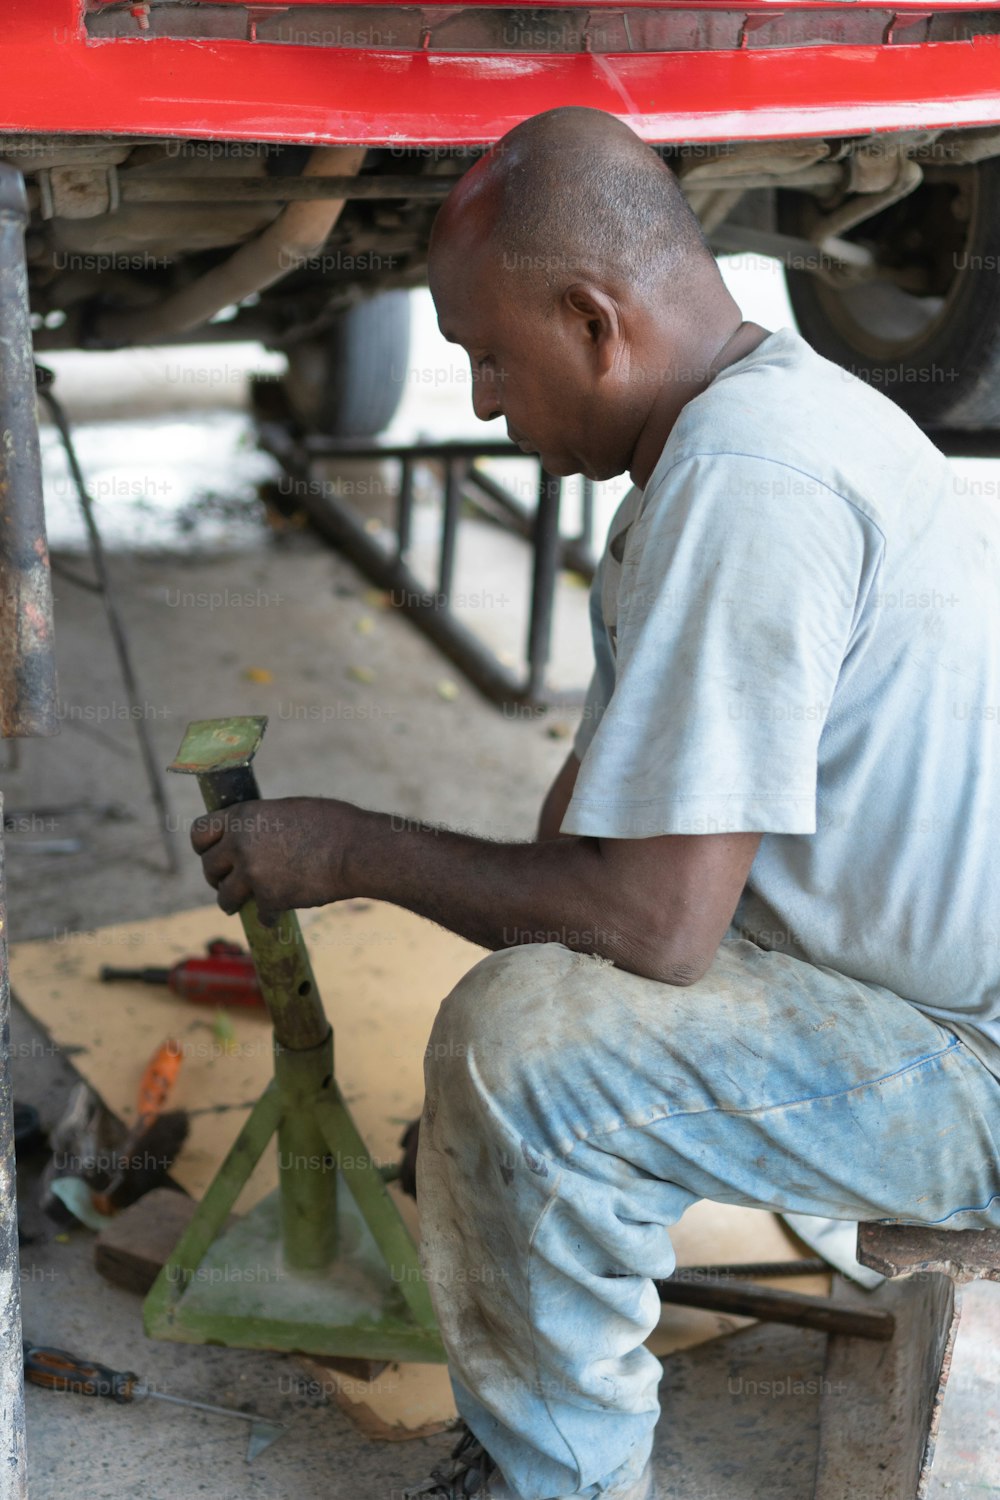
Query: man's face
[531, 364]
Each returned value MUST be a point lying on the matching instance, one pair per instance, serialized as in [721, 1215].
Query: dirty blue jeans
[575, 1111]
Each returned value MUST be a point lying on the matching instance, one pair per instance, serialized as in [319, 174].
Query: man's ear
[598, 321]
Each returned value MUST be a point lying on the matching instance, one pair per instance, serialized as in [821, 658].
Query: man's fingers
[233, 892]
[216, 864]
[207, 830]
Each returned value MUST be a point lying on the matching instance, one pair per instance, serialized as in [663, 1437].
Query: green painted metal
[311, 1268]
[374, 1203]
[161, 1304]
[308, 1176]
[245, 1294]
[219, 744]
[219, 752]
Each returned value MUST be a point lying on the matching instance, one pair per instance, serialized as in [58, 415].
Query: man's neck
[675, 395]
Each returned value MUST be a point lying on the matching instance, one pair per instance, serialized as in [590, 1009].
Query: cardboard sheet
[382, 973]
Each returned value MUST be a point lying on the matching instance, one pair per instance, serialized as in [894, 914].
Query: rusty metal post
[27, 707]
[27, 664]
[13, 1469]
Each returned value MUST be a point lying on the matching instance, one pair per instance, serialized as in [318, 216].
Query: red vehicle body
[64, 72]
[857, 141]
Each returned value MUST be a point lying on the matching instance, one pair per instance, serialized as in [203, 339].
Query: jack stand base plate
[243, 1295]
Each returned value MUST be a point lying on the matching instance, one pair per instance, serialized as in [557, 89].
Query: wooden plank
[881, 1403]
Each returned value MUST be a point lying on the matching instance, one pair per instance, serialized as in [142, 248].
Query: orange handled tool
[59, 1371]
[158, 1080]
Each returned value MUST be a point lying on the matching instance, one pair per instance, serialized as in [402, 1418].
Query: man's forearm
[495, 894]
[657, 906]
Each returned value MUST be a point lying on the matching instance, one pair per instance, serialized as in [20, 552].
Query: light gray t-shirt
[797, 632]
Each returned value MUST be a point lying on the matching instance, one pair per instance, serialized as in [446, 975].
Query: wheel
[927, 331]
[350, 383]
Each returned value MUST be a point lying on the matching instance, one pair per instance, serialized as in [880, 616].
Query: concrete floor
[306, 619]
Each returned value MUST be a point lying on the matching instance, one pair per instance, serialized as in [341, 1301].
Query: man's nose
[484, 398]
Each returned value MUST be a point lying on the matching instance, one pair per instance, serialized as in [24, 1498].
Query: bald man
[752, 954]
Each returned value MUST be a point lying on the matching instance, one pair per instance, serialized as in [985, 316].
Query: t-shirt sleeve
[741, 585]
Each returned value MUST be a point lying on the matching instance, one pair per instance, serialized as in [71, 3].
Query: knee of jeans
[489, 1024]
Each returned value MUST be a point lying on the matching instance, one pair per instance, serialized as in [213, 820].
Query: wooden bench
[881, 1402]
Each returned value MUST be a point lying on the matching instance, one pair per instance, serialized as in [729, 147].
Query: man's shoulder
[812, 427]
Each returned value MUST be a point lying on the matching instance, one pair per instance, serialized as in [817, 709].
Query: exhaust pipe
[299, 231]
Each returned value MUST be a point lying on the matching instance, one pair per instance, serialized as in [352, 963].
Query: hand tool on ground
[224, 976]
[746, 1300]
[144, 1158]
[59, 1371]
[326, 1265]
[158, 1080]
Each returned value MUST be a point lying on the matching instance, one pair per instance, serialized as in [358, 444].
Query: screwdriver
[226, 976]
[59, 1371]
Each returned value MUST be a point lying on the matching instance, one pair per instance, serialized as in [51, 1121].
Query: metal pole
[27, 707]
[13, 1465]
[118, 637]
[303, 1040]
[543, 587]
[27, 665]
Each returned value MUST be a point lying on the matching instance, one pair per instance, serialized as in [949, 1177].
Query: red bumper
[54, 79]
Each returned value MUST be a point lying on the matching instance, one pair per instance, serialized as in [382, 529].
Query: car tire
[935, 350]
[350, 383]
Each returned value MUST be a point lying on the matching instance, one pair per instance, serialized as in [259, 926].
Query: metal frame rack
[463, 483]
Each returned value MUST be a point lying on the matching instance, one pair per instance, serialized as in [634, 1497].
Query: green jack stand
[326, 1264]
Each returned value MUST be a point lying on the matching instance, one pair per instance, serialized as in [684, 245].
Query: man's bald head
[575, 193]
[570, 268]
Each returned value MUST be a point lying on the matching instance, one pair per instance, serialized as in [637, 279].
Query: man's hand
[285, 853]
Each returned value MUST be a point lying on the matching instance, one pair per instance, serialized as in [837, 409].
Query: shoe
[471, 1474]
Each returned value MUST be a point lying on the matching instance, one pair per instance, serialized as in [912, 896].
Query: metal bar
[343, 530]
[135, 189]
[212, 1212]
[279, 953]
[28, 700]
[545, 566]
[494, 501]
[28, 706]
[117, 629]
[387, 1339]
[751, 1270]
[586, 537]
[308, 1181]
[374, 1203]
[318, 445]
[449, 528]
[13, 1463]
[749, 1301]
[404, 509]
[517, 516]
